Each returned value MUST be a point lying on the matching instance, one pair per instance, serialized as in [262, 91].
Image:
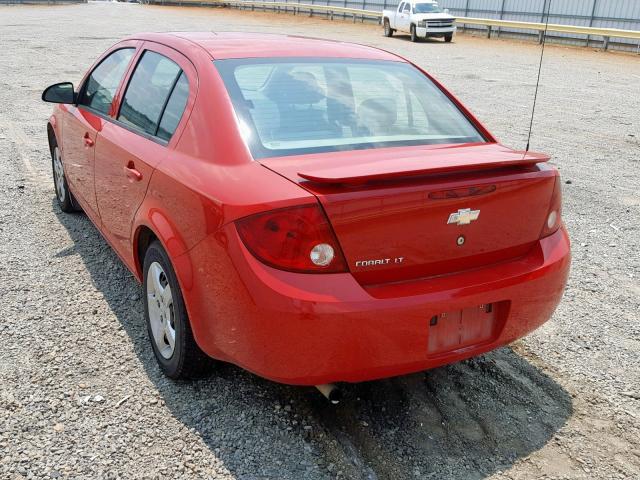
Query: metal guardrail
[605, 33]
[40, 2]
[292, 7]
[490, 23]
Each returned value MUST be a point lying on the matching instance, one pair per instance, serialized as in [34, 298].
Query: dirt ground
[81, 395]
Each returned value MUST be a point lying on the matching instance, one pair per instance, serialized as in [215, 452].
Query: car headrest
[382, 111]
[297, 88]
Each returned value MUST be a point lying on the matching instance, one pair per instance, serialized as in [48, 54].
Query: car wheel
[167, 321]
[66, 202]
[448, 37]
[414, 35]
[388, 32]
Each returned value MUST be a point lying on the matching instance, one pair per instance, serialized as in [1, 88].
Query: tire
[388, 31]
[414, 35]
[448, 37]
[66, 201]
[174, 347]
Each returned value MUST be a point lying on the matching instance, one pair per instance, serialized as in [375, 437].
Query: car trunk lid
[411, 212]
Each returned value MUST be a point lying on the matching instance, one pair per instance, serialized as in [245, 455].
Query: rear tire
[388, 31]
[448, 37]
[414, 35]
[66, 202]
[176, 351]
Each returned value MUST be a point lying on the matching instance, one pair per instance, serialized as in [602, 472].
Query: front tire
[63, 194]
[448, 37]
[414, 35]
[388, 31]
[168, 325]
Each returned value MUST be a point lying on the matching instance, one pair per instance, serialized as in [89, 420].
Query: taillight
[554, 216]
[298, 239]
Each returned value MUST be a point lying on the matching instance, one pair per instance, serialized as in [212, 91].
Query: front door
[80, 128]
[404, 18]
[129, 148]
[82, 123]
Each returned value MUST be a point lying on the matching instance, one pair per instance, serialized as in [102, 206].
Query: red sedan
[313, 211]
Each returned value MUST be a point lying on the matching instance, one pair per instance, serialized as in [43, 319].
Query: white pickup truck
[420, 19]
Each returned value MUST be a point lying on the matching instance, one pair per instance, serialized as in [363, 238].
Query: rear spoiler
[371, 172]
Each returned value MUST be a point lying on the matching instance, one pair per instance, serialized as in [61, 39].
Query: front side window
[102, 84]
[299, 106]
[149, 88]
[426, 8]
[407, 7]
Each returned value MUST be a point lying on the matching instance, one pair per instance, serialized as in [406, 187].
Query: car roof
[225, 45]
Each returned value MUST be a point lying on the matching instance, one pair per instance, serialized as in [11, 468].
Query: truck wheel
[414, 35]
[388, 31]
[448, 37]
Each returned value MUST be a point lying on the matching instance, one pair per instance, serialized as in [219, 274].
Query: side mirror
[59, 93]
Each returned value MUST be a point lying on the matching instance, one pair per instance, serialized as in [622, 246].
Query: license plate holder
[458, 329]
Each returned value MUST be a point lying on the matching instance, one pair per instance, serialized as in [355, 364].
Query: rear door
[129, 148]
[84, 121]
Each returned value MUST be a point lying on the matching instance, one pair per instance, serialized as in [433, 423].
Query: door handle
[87, 140]
[132, 173]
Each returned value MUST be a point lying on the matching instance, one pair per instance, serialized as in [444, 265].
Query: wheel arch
[51, 134]
[156, 226]
[144, 236]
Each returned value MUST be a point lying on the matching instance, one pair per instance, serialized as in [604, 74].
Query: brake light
[554, 215]
[297, 239]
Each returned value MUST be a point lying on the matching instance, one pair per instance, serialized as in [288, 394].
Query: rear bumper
[313, 329]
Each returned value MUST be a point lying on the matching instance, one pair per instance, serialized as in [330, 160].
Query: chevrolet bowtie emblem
[464, 216]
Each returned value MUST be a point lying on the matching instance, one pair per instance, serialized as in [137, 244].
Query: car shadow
[467, 420]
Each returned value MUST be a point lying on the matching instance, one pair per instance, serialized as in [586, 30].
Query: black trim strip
[166, 100]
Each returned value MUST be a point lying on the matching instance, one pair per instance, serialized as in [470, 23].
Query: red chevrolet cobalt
[312, 211]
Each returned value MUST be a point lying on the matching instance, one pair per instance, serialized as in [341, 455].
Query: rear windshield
[297, 106]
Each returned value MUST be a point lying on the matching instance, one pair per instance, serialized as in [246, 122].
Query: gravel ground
[81, 395]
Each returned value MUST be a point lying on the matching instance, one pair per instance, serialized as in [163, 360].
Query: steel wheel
[174, 347]
[161, 310]
[58, 176]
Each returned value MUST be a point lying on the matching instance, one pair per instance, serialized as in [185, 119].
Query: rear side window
[103, 82]
[174, 109]
[400, 7]
[149, 89]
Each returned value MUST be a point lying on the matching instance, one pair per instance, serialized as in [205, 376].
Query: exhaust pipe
[331, 392]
